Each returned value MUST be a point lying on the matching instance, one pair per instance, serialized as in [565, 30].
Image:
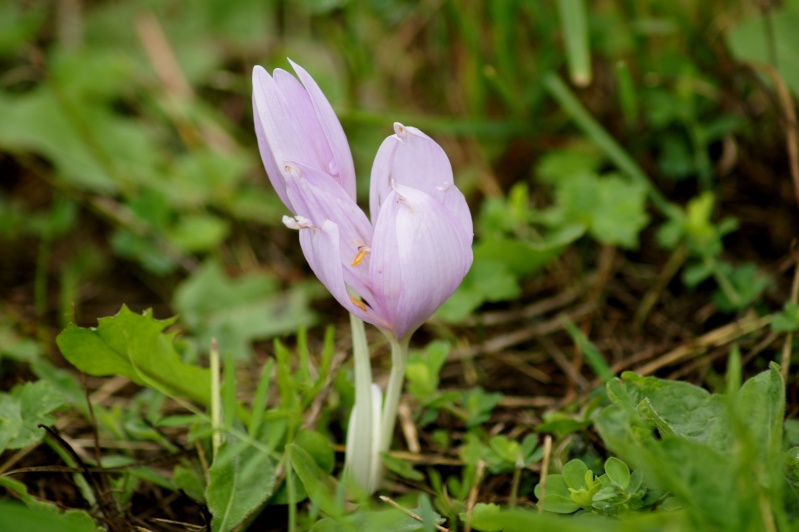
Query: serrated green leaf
[135, 345]
[38, 514]
[22, 410]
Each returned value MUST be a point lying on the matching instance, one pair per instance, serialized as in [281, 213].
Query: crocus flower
[295, 122]
[395, 271]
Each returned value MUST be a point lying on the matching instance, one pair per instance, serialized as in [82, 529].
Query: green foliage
[778, 47]
[23, 409]
[788, 319]
[422, 369]
[241, 478]
[135, 346]
[720, 449]
[738, 286]
[615, 492]
[613, 210]
[504, 454]
[237, 311]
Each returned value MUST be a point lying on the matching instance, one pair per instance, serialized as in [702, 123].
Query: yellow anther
[360, 304]
[362, 251]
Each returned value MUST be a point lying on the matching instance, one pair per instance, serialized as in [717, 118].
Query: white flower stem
[399, 356]
[358, 459]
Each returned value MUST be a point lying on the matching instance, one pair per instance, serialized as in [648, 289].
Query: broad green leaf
[788, 319]
[557, 498]
[574, 474]
[761, 405]
[237, 311]
[241, 478]
[135, 346]
[189, 480]
[524, 257]
[39, 515]
[14, 346]
[681, 408]
[751, 40]
[198, 233]
[14, 516]
[27, 406]
[322, 489]
[613, 209]
[617, 472]
[318, 447]
[562, 164]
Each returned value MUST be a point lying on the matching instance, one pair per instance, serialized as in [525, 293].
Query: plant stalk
[399, 357]
[358, 460]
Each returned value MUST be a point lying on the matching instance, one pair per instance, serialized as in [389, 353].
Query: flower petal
[382, 167]
[320, 198]
[419, 258]
[309, 130]
[291, 131]
[322, 251]
[268, 158]
[409, 158]
[344, 168]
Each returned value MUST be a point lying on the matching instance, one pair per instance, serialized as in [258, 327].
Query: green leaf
[22, 410]
[241, 478]
[482, 515]
[478, 405]
[557, 165]
[237, 311]
[198, 233]
[189, 480]
[617, 472]
[557, 498]
[788, 319]
[14, 346]
[613, 210]
[322, 489]
[761, 405]
[747, 282]
[574, 474]
[318, 447]
[38, 514]
[135, 346]
[14, 516]
[423, 368]
[680, 408]
[749, 41]
[401, 468]
[525, 257]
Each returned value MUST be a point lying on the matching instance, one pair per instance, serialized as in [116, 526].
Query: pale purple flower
[397, 270]
[295, 122]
